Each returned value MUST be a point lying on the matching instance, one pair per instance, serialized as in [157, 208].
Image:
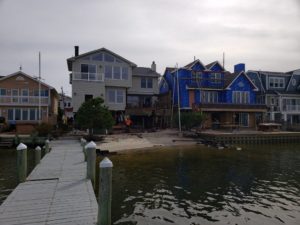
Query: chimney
[153, 66]
[239, 68]
[76, 50]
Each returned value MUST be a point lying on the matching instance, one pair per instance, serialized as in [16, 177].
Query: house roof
[190, 65]
[239, 74]
[26, 75]
[72, 59]
[144, 71]
[210, 65]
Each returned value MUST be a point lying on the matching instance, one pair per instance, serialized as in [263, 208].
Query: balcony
[291, 108]
[23, 100]
[230, 107]
[88, 76]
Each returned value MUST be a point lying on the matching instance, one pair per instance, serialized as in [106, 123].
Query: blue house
[228, 99]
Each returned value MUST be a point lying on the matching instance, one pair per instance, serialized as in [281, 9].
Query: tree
[93, 114]
[191, 119]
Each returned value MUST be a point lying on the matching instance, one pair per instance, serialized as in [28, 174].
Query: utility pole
[39, 78]
[178, 100]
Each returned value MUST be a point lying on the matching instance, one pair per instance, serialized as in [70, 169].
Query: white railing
[292, 108]
[23, 100]
[88, 76]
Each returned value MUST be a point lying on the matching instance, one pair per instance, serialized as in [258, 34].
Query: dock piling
[37, 155]
[83, 144]
[21, 162]
[90, 149]
[47, 146]
[105, 192]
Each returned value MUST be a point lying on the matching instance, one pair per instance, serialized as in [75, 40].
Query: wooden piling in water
[37, 155]
[47, 146]
[105, 192]
[90, 149]
[21, 162]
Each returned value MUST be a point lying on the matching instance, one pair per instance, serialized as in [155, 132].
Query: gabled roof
[211, 65]
[190, 65]
[237, 75]
[26, 75]
[144, 71]
[72, 59]
[258, 78]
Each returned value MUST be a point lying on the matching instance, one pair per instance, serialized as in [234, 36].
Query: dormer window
[276, 82]
[197, 75]
[215, 78]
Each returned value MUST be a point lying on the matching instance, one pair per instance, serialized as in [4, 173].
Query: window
[17, 114]
[209, 96]
[97, 57]
[240, 97]
[146, 82]
[25, 92]
[10, 114]
[215, 77]
[88, 71]
[44, 93]
[117, 72]
[115, 96]
[32, 114]
[69, 104]
[15, 93]
[276, 82]
[2, 91]
[197, 75]
[24, 114]
[88, 97]
[120, 96]
[125, 73]
[108, 72]
[108, 58]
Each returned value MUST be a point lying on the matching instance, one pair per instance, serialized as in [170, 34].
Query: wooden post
[21, 162]
[83, 144]
[47, 146]
[37, 155]
[105, 190]
[90, 149]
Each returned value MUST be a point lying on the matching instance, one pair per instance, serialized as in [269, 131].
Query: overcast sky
[264, 34]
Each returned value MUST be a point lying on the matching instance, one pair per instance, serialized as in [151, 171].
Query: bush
[44, 129]
[190, 119]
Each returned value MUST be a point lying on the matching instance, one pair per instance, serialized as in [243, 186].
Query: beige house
[20, 101]
[100, 73]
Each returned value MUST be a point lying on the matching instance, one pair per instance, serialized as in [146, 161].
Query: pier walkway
[56, 191]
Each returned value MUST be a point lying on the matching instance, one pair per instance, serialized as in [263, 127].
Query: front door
[242, 119]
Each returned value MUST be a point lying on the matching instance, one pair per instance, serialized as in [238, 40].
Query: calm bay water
[258, 185]
[197, 185]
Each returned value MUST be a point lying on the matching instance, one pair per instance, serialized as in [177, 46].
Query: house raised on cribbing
[20, 101]
[281, 93]
[227, 99]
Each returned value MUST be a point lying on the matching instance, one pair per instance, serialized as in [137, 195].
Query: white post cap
[38, 148]
[47, 141]
[21, 146]
[91, 145]
[106, 163]
[83, 140]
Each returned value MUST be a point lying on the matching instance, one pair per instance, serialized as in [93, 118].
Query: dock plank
[55, 192]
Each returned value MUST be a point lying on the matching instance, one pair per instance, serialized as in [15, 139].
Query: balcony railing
[23, 100]
[230, 106]
[88, 76]
[291, 108]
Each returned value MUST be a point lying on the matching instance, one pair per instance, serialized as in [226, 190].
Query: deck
[56, 191]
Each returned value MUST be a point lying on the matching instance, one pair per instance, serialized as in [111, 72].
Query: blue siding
[216, 68]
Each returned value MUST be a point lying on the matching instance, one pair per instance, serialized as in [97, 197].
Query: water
[205, 186]
[197, 185]
[8, 170]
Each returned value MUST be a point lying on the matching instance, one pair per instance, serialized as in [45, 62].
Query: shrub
[44, 129]
[190, 119]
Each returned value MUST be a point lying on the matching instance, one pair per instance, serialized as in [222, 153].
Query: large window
[115, 96]
[32, 114]
[44, 92]
[88, 72]
[108, 72]
[24, 114]
[97, 57]
[209, 97]
[215, 77]
[2, 91]
[241, 97]
[25, 92]
[146, 82]
[10, 114]
[108, 58]
[125, 73]
[276, 82]
[117, 72]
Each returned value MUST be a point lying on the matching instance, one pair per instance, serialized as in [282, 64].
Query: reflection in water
[205, 186]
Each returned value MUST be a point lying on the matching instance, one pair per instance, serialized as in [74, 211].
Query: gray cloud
[259, 33]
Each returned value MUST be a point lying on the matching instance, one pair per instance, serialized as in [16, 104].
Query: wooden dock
[56, 191]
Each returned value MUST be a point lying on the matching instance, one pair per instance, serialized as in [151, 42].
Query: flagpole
[178, 100]
[39, 113]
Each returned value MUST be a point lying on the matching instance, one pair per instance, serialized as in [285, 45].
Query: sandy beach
[134, 141]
